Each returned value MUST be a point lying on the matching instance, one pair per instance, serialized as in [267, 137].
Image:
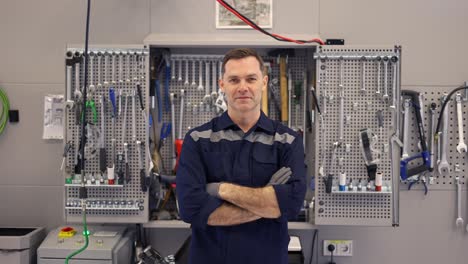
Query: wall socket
[343, 248]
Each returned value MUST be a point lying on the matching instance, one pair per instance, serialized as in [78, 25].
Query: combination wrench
[385, 95]
[394, 61]
[207, 98]
[407, 105]
[194, 83]
[461, 147]
[443, 165]
[379, 63]
[363, 74]
[200, 78]
[186, 83]
[214, 83]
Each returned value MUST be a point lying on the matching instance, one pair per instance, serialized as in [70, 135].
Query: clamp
[421, 178]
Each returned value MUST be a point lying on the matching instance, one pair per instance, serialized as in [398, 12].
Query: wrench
[394, 82]
[385, 60]
[214, 93]
[173, 69]
[379, 63]
[200, 78]
[77, 94]
[443, 165]
[92, 88]
[459, 220]
[106, 69]
[181, 117]
[180, 70]
[172, 98]
[194, 84]
[207, 98]
[363, 74]
[406, 118]
[341, 95]
[186, 83]
[99, 59]
[461, 147]
[69, 62]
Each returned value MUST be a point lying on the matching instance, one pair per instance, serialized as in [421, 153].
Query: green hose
[86, 235]
[5, 107]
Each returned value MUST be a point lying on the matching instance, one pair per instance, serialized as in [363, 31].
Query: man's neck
[245, 120]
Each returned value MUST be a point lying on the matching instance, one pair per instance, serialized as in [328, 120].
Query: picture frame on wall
[259, 11]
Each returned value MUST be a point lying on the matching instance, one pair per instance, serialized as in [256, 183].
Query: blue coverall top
[219, 151]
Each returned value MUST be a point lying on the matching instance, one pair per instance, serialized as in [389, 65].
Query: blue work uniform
[219, 151]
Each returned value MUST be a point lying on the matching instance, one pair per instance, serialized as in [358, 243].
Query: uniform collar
[263, 122]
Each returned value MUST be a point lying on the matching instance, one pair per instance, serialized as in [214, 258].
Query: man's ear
[265, 82]
[221, 85]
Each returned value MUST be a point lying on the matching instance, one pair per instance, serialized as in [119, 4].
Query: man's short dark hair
[240, 53]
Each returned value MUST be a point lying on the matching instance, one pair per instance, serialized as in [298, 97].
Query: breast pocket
[216, 164]
[264, 164]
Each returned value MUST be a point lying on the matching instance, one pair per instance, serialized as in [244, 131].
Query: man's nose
[243, 87]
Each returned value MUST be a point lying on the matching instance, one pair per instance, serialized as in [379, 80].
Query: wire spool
[5, 107]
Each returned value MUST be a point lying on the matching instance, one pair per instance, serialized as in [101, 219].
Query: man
[241, 176]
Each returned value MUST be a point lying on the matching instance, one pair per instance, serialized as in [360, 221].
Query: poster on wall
[258, 11]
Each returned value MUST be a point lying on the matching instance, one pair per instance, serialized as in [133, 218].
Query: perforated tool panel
[369, 86]
[457, 162]
[120, 69]
[185, 74]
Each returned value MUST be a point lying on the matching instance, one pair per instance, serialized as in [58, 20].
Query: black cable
[316, 100]
[313, 245]
[443, 108]
[83, 193]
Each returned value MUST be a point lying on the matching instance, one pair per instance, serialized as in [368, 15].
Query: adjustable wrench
[443, 165]
[341, 95]
[407, 105]
[200, 78]
[459, 220]
[461, 147]
[385, 95]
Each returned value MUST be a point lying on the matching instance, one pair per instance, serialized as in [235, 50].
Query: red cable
[256, 27]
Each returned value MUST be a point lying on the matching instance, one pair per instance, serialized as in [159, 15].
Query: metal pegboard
[369, 78]
[444, 181]
[196, 109]
[119, 69]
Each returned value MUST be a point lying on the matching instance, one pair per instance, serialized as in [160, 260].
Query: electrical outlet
[343, 248]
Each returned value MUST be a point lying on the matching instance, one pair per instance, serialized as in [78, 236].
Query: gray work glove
[281, 176]
[213, 189]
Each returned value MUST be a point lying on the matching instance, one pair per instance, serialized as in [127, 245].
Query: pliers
[421, 178]
[92, 105]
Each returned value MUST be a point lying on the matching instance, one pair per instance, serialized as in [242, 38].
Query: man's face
[243, 83]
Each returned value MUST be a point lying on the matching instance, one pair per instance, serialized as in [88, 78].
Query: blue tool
[424, 155]
[423, 180]
[158, 97]
[165, 132]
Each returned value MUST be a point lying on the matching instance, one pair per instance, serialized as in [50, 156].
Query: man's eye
[252, 79]
[234, 80]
